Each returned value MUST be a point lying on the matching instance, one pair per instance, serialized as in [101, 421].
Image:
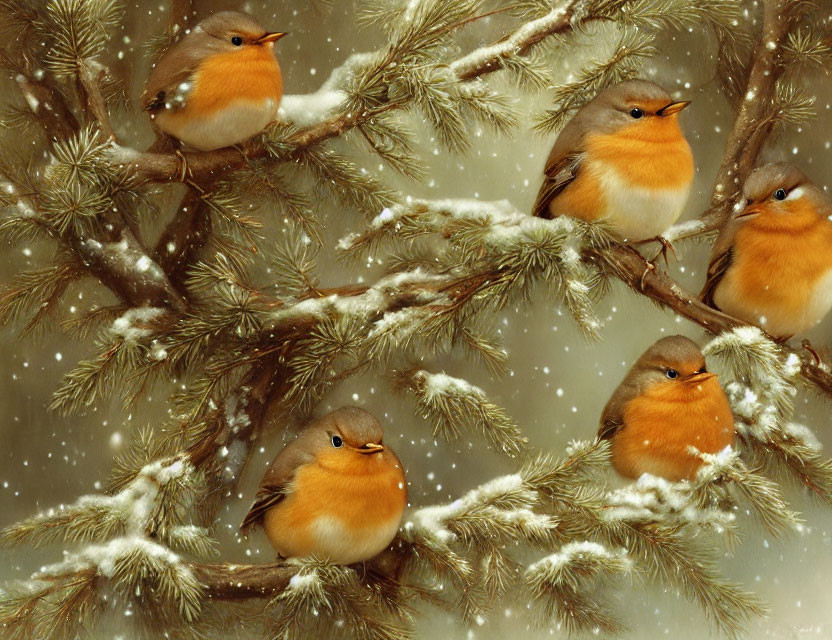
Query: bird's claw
[808, 346]
[182, 169]
[650, 267]
[666, 244]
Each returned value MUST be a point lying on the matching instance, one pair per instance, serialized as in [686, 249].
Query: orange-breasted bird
[336, 492]
[772, 263]
[667, 402]
[622, 159]
[219, 85]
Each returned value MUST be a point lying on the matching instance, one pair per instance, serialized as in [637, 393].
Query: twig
[181, 11]
[179, 244]
[90, 74]
[519, 43]
[47, 103]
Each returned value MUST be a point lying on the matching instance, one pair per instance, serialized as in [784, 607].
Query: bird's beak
[748, 212]
[271, 37]
[698, 378]
[673, 107]
[371, 447]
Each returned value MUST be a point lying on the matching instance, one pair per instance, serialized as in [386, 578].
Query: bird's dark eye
[672, 374]
[703, 370]
[237, 41]
[780, 194]
[636, 113]
[336, 441]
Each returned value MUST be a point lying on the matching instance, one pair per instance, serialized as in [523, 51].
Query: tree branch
[90, 74]
[179, 244]
[519, 43]
[118, 260]
[46, 102]
[753, 121]
[238, 582]
[181, 11]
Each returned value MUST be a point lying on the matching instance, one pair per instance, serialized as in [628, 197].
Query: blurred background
[558, 382]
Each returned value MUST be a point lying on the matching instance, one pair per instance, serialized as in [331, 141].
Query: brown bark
[238, 582]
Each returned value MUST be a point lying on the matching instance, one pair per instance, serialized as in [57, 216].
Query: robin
[772, 263]
[336, 492]
[622, 159]
[667, 403]
[219, 85]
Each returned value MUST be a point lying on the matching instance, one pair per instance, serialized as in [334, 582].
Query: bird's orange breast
[777, 264]
[250, 74]
[651, 155]
[338, 505]
[661, 424]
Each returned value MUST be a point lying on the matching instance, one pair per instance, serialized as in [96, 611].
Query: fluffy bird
[219, 85]
[336, 492]
[772, 262]
[622, 159]
[667, 403]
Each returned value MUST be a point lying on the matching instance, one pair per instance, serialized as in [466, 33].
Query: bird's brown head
[640, 106]
[779, 196]
[348, 439]
[675, 360]
[231, 30]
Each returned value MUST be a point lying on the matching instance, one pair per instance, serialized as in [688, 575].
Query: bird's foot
[650, 267]
[182, 169]
[808, 346]
[662, 253]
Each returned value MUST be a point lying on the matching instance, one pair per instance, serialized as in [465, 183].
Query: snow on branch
[131, 536]
[453, 403]
[566, 584]
[761, 389]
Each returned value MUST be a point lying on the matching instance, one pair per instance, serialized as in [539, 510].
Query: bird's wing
[169, 80]
[612, 418]
[276, 484]
[560, 171]
[721, 258]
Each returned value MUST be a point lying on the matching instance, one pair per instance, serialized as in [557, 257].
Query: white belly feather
[344, 546]
[639, 213]
[232, 125]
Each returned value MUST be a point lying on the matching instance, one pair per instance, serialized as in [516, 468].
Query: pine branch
[91, 75]
[452, 403]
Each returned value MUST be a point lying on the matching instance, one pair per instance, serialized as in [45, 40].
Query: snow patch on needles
[684, 230]
[511, 45]
[441, 384]
[585, 553]
[435, 522]
[134, 507]
[652, 498]
[360, 306]
[305, 581]
[105, 558]
[129, 325]
[716, 465]
[314, 108]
